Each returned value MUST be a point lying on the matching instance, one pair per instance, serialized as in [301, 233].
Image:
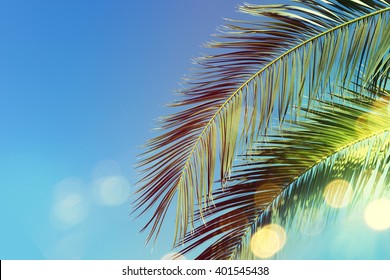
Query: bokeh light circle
[70, 205]
[268, 240]
[377, 214]
[112, 190]
[338, 193]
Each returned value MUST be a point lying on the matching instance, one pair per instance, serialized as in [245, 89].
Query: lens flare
[113, 190]
[69, 210]
[70, 205]
[338, 193]
[376, 119]
[377, 214]
[268, 240]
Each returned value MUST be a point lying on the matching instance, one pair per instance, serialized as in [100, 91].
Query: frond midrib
[236, 92]
[318, 162]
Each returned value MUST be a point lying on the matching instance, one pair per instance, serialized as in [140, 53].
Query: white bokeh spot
[70, 205]
[112, 190]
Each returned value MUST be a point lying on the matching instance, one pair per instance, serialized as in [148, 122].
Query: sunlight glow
[70, 204]
[377, 214]
[338, 193]
[69, 209]
[268, 240]
[376, 119]
[113, 190]
[173, 256]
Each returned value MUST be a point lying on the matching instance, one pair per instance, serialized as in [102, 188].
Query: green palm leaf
[283, 176]
[285, 64]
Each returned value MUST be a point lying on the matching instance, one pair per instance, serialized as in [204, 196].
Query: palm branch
[290, 71]
[284, 176]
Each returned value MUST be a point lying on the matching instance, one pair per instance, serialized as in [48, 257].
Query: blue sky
[81, 83]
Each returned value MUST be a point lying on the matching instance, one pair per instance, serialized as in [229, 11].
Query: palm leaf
[286, 174]
[281, 64]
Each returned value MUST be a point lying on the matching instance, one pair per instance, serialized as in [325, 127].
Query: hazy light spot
[70, 206]
[113, 190]
[106, 168]
[376, 119]
[377, 214]
[70, 184]
[338, 193]
[69, 209]
[268, 240]
[173, 256]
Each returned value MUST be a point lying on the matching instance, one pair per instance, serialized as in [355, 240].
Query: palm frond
[291, 168]
[279, 65]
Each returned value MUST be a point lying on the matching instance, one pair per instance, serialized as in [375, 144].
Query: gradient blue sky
[80, 85]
